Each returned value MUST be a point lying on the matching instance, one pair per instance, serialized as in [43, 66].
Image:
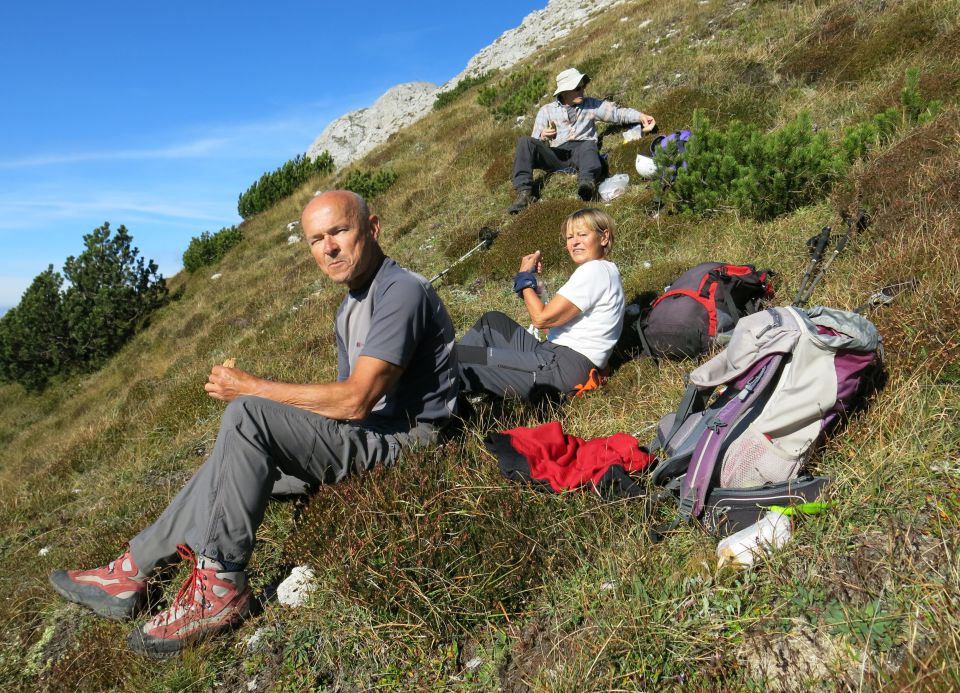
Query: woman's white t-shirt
[595, 288]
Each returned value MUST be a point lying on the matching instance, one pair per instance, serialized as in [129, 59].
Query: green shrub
[54, 331]
[761, 174]
[33, 335]
[768, 174]
[369, 184]
[859, 139]
[207, 248]
[514, 94]
[446, 98]
[273, 187]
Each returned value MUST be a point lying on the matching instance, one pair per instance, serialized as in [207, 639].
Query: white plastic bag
[634, 133]
[771, 532]
[614, 186]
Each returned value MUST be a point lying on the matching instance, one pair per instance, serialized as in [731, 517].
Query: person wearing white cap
[565, 134]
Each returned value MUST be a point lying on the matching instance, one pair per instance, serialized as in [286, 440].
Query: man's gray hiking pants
[499, 357]
[532, 153]
[263, 448]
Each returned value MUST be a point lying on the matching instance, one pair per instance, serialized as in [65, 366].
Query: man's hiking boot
[211, 601]
[524, 199]
[116, 591]
[587, 190]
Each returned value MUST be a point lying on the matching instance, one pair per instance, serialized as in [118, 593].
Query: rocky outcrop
[351, 136]
[538, 28]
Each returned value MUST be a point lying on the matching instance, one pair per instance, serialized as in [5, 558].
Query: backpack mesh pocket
[752, 460]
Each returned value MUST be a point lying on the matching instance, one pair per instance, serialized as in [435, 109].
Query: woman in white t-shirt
[585, 319]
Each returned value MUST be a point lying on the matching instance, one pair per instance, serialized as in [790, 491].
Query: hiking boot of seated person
[587, 190]
[524, 199]
[211, 601]
[116, 591]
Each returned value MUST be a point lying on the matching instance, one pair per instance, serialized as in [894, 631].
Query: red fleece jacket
[566, 461]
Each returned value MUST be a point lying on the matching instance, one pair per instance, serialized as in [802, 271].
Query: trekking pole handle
[841, 244]
[822, 240]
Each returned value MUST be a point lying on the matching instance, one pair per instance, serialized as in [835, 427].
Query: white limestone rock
[353, 135]
[536, 30]
[297, 587]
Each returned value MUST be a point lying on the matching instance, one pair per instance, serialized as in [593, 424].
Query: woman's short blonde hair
[594, 219]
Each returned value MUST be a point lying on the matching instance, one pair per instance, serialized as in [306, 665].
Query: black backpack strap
[644, 343]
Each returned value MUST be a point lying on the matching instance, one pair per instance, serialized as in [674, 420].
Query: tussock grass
[437, 574]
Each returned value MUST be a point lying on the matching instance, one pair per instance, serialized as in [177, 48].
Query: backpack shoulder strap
[696, 483]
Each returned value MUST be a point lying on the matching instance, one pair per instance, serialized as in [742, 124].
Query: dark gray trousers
[499, 357]
[533, 153]
[264, 447]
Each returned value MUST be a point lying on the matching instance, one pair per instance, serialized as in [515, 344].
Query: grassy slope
[440, 562]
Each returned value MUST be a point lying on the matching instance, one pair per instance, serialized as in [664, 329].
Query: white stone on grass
[293, 238]
[44, 551]
[645, 23]
[255, 641]
[296, 588]
[473, 663]
[216, 276]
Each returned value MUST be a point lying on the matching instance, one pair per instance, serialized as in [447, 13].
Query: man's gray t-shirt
[400, 319]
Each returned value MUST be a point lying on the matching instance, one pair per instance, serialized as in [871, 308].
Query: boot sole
[94, 598]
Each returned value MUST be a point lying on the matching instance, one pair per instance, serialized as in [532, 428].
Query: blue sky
[157, 116]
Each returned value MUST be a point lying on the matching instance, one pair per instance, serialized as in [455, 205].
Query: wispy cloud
[295, 128]
[20, 213]
[194, 149]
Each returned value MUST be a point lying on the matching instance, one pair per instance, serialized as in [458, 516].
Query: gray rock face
[538, 28]
[351, 136]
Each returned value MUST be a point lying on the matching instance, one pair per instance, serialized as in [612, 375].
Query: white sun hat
[569, 79]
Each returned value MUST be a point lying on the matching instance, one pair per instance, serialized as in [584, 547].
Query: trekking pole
[816, 244]
[857, 223]
[885, 295]
[486, 240]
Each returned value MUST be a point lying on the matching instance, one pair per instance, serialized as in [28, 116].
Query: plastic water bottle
[545, 297]
[771, 532]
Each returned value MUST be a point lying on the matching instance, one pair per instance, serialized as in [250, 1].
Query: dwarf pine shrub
[446, 98]
[370, 184]
[208, 248]
[273, 187]
[761, 174]
[859, 139]
[109, 293]
[513, 95]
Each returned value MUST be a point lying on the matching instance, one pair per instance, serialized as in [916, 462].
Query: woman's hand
[531, 262]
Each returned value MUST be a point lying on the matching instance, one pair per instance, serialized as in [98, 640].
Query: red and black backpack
[703, 304]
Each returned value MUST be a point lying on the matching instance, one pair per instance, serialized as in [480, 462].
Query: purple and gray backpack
[753, 414]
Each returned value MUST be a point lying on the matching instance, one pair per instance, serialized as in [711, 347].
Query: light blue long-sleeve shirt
[578, 123]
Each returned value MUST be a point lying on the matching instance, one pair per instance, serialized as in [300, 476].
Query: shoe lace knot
[190, 594]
